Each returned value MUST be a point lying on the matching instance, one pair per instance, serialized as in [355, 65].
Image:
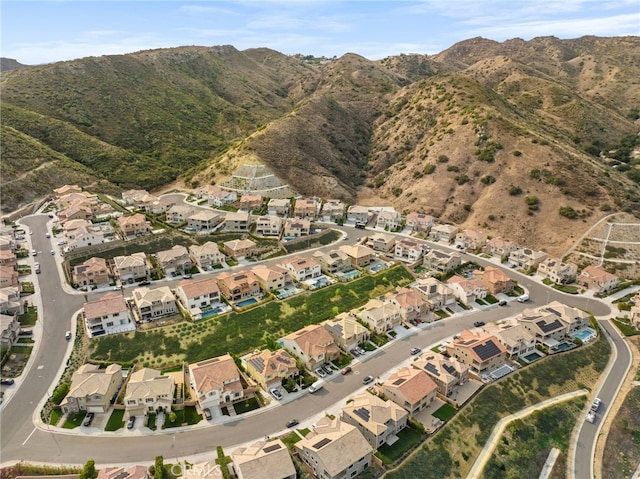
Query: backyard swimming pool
[531, 357]
[585, 335]
[246, 302]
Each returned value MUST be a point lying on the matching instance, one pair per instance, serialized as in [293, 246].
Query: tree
[158, 473]
[89, 470]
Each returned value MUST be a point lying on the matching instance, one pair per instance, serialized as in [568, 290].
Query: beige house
[302, 268]
[389, 220]
[471, 239]
[313, 345]
[8, 258]
[335, 450]
[334, 261]
[495, 280]
[467, 290]
[410, 388]
[573, 318]
[526, 258]
[240, 248]
[346, 330]
[237, 221]
[271, 278]
[148, 391]
[250, 202]
[93, 272]
[270, 368]
[239, 285]
[445, 233]
[216, 381]
[448, 374]
[198, 296]
[269, 225]
[278, 206]
[411, 305]
[92, 388]
[437, 294]
[557, 271]
[419, 222]
[75, 212]
[262, 460]
[179, 213]
[134, 225]
[305, 208]
[131, 268]
[381, 316]
[157, 206]
[360, 255]
[358, 214]
[206, 255]
[381, 242]
[65, 190]
[153, 303]
[379, 421]
[597, 279]
[296, 227]
[514, 336]
[108, 314]
[8, 276]
[216, 196]
[133, 197]
[333, 211]
[9, 329]
[409, 249]
[442, 261]
[204, 220]
[482, 352]
[10, 301]
[499, 247]
[174, 261]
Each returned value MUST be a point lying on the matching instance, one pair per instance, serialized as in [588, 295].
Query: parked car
[292, 422]
[355, 352]
[415, 351]
[523, 299]
[320, 373]
[367, 380]
[131, 422]
[47, 235]
[591, 417]
[502, 302]
[67, 335]
[596, 404]
[25, 332]
[327, 369]
[144, 283]
[187, 276]
[53, 252]
[275, 393]
[34, 252]
[346, 370]
[477, 324]
[88, 419]
[7, 381]
[360, 350]
[207, 413]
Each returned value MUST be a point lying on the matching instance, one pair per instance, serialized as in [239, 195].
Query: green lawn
[441, 314]
[29, 318]
[407, 438]
[74, 420]
[444, 412]
[56, 414]
[179, 420]
[246, 406]
[116, 420]
[491, 299]
[566, 288]
[625, 327]
[151, 421]
[290, 439]
[191, 415]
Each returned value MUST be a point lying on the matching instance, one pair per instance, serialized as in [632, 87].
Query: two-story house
[92, 388]
[380, 315]
[279, 207]
[346, 330]
[93, 272]
[495, 280]
[271, 277]
[174, 261]
[153, 303]
[206, 255]
[204, 220]
[409, 249]
[131, 268]
[263, 459]
[108, 314]
[334, 261]
[381, 242]
[412, 306]
[239, 285]
[515, 337]
[557, 270]
[419, 222]
[482, 352]
[237, 221]
[597, 279]
[302, 268]
[389, 220]
[471, 239]
[499, 247]
[216, 381]
[178, 214]
[216, 196]
[358, 214]
[250, 203]
[442, 261]
[526, 258]
[443, 232]
[333, 211]
[448, 374]
[437, 294]
[467, 290]
[240, 248]
[410, 388]
[269, 225]
[10, 300]
[305, 208]
[148, 391]
[198, 296]
[9, 330]
[360, 255]
[313, 345]
[270, 368]
[296, 227]
[134, 225]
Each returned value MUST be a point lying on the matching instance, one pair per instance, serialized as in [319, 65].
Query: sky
[36, 32]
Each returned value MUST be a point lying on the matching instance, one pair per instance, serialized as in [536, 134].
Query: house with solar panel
[216, 382]
[270, 368]
[517, 340]
[448, 373]
[545, 325]
[335, 450]
[263, 459]
[313, 345]
[482, 352]
[379, 421]
[410, 388]
[346, 330]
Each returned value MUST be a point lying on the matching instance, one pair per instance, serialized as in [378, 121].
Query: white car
[591, 417]
[320, 373]
[275, 393]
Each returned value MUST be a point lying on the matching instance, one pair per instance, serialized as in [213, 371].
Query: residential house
[515, 337]
[546, 326]
[271, 277]
[174, 261]
[133, 197]
[419, 222]
[10, 302]
[447, 373]
[410, 388]
[482, 352]
[333, 211]
[495, 280]
[87, 234]
[295, 228]
[597, 279]
[334, 261]
[7, 243]
[408, 300]
[381, 242]
[157, 206]
[131, 268]
[92, 388]
[250, 203]
[134, 225]
[437, 294]
[75, 212]
[467, 290]
[346, 330]
[389, 220]
[204, 220]
[198, 296]
[206, 255]
[148, 391]
[573, 318]
[270, 368]
[409, 249]
[334, 450]
[178, 214]
[65, 190]
[471, 239]
[108, 314]
[360, 255]
[216, 196]
[216, 381]
[379, 421]
[278, 207]
[131, 472]
[380, 315]
[239, 285]
[557, 271]
[269, 226]
[263, 459]
[313, 345]
[8, 258]
[237, 221]
[240, 248]
[77, 199]
[9, 330]
[443, 261]
[526, 258]
[358, 214]
[8, 276]
[153, 303]
[305, 208]
[444, 233]
[93, 272]
[499, 247]
[302, 268]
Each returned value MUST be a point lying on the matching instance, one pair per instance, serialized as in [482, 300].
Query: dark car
[367, 380]
[477, 324]
[25, 332]
[292, 423]
[346, 370]
[7, 381]
[131, 422]
[88, 419]
[207, 413]
[144, 283]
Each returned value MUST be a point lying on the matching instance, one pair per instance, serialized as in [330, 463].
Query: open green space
[29, 317]
[116, 420]
[625, 327]
[407, 438]
[74, 420]
[244, 331]
[330, 236]
[444, 412]
[246, 406]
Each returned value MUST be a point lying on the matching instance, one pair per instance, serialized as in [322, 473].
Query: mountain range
[528, 140]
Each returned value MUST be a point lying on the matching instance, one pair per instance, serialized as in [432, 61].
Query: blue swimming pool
[585, 335]
[563, 346]
[246, 302]
[531, 357]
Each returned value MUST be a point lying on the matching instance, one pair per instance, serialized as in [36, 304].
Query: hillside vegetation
[530, 140]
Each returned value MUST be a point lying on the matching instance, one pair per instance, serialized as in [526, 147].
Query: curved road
[20, 440]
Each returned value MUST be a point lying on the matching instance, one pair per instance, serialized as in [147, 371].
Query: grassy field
[241, 332]
[450, 453]
[407, 438]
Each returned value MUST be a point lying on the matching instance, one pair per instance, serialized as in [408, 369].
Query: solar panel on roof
[399, 381]
[486, 350]
[547, 327]
[551, 310]
[273, 447]
[432, 369]
[362, 413]
[450, 369]
[321, 443]
[257, 363]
